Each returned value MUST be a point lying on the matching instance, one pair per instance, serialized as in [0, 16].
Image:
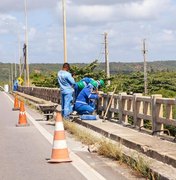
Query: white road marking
[87, 171]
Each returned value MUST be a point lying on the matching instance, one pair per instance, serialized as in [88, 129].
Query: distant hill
[151, 66]
[115, 67]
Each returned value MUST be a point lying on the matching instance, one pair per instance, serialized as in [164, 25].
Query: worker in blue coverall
[15, 85]
[80, 85]
[83, 83]
[66, 82]
[84, 103]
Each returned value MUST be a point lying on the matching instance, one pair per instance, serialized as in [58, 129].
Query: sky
[126, 22]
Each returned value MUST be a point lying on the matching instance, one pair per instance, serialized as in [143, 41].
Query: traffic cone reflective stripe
[22, 116]
[59, 151]
[22, 109]
[16, 103]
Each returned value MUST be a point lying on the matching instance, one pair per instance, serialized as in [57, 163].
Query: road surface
[24, 151]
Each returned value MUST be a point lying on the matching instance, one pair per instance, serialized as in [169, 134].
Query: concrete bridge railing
[135, 109]
[140, 110]
[48, 94]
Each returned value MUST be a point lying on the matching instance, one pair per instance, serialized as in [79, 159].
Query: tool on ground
[104, 118]
[59, 151]
[89, 117]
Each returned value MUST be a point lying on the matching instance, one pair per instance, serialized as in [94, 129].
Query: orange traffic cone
[16, 104]
[60, 150]
[22, 116]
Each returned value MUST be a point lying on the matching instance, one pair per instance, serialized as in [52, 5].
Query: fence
[135, 109]
[49, 94]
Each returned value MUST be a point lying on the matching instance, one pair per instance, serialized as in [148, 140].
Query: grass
[108, 149]
[84, 136]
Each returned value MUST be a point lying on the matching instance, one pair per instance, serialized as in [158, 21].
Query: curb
[146, 151]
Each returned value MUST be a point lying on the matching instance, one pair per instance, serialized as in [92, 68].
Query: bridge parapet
[148, 112]
[49, 94]
[140, 111]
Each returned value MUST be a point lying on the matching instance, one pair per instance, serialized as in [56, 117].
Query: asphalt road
[24, 152]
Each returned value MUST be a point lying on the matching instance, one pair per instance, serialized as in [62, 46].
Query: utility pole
[145, 67]
[20, 70]
[106, 57]
[26, 43]
[9, 80]
[19, 54]
[15, 71]
[12, 76]
[64, 31]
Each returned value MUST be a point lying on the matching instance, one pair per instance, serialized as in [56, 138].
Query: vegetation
[50, 79]
[158, 83]
[128, 77]
[108, 149]
[44, 80]
[119, 70]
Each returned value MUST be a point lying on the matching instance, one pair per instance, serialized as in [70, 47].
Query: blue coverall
[15, 85]
[66, 81]
[86, 81]
[83, 104]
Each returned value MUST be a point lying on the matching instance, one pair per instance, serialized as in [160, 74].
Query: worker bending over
[85, 102]
[80, 85]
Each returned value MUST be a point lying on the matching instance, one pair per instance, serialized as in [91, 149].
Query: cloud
[92, 13]
[89, 15]
[101, 2]
[7, 23]
[127, 22]
[19, 5]
[147, 9]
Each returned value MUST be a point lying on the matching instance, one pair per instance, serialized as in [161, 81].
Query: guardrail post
[157, 111]
[137, 109]
[122, 105]
[103, 103]
[100, 108]
[114, 107]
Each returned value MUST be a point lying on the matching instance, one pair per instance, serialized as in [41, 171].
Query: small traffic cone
[60, 150]
[22, 116]
[16, 104]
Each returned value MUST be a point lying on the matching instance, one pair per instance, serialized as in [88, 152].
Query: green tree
[50, 80]
[89, 70]
[41, 80]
